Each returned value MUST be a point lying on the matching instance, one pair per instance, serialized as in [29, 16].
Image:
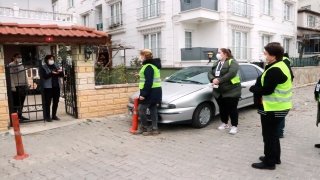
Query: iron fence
[301, 62]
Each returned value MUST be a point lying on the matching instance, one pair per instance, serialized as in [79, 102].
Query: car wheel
[202, 115]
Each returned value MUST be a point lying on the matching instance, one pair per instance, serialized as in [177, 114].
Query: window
[85, 20]
[286, 45]
[188, 39]
[187, 1]
[54, 7]
[264, 41]
[287, 11]
[266, 7]
[70, 3]
[249, 72]
[239, 43]
[151, 8]
[311, 21]
[240, 7]
[116, 14]
[153, 42]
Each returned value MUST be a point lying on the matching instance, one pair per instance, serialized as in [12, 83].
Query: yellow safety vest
[156, 76]
[281, 98]
[286, 59]
[236, 79]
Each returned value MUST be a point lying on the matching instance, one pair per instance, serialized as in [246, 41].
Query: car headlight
[167, 106]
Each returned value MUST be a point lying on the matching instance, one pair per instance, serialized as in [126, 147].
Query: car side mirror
[166, 78]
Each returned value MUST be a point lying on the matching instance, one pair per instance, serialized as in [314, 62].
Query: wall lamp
[88, 50]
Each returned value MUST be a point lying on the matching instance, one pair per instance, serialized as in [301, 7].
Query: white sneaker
[223, 126]
[233, 130]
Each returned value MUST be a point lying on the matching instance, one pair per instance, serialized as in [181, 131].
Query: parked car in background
[187, 97]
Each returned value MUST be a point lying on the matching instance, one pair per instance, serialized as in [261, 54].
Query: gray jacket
[47, 83]
[226, 88]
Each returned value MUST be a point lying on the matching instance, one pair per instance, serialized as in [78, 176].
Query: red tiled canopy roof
[77, 34]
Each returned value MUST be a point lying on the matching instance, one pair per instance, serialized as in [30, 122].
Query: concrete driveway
[103, 149]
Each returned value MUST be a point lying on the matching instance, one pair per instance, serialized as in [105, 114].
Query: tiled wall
[4, 112]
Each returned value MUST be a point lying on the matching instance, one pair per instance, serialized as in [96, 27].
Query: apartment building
[309, 27]
[181, 33]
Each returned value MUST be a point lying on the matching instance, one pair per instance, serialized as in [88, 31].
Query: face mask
[219, 57]
[264, 58]
[51, 62]
[19, 60]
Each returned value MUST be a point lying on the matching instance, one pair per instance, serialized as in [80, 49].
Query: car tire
[202, 115]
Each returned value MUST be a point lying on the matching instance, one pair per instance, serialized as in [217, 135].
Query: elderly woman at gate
[51, 74]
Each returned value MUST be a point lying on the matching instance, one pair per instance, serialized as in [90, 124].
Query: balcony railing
[15, 12]
[6, 11]
[207, 4]
[241, 53]
[150, 11]
[241, 8]
[197, 53]
[115, 21]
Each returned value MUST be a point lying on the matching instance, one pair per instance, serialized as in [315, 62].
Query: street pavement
[104, 149]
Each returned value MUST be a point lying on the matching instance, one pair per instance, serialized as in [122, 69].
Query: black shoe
[261, 165]
[261, 158]
[55, 118]
[23, 118]
[48, 119]
[281, 136]
[317, 145]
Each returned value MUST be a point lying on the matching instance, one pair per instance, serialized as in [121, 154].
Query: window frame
[267, 10]
[85, 20]
[71, 3]
[286, 45]
[308, 21]
[188, 40]
[263, 38]
[243, 73]
[156, 51]
[116, 13]
[242, 52]
[287, 11]
[150, 9]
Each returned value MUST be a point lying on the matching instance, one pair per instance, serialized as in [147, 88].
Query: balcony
[197, 53]
[151, 11]
[241, 9]
[18, 15]
[115, 24]
[195, 11]
[241, 53]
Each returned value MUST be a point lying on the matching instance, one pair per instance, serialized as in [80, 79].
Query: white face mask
[264, 58]
[50, 62]
[219, 57]
[19, 60]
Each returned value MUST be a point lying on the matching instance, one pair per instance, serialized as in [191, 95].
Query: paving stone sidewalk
[103, 149]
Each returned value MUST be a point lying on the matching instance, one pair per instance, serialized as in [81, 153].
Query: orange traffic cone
[135, 116]
[17, 135]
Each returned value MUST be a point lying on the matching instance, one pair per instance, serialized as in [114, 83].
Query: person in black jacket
[150, 92]
[317, 98]
[273, 99]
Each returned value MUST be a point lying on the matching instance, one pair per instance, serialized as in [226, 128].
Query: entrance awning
[50, 34]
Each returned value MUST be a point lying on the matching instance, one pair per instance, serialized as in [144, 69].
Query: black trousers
[228, 107]
[19, 97]
[51, 94]
[270, 133]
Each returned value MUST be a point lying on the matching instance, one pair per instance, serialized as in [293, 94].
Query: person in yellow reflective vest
[273, 99]
[317, 98]
[150, 92]
[287, 61]
[226, 88]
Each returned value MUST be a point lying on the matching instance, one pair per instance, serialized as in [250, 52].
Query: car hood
[173, 91]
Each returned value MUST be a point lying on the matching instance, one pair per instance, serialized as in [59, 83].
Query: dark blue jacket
[151, 95]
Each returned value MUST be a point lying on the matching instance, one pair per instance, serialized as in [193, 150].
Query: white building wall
[214, 30]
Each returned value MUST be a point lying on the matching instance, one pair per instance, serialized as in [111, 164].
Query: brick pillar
[4, 112]
[85, 83]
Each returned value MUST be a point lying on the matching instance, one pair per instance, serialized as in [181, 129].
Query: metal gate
[25, 94]
[69, 88]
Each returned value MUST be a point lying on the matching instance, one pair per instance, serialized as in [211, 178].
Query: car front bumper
[176, 115]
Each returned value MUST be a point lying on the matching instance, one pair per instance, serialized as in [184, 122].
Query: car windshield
[191, 75]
